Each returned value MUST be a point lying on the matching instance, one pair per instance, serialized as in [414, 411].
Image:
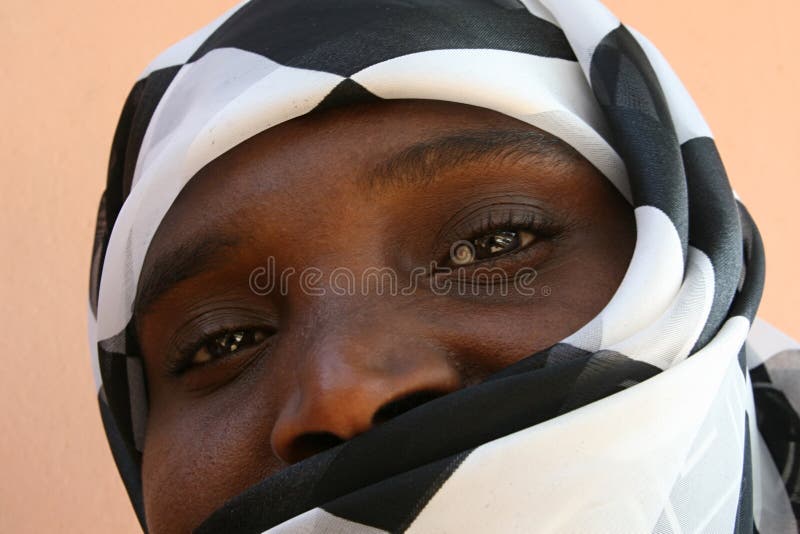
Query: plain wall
[65, 72]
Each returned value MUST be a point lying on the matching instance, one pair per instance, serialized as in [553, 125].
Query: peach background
[66, 70]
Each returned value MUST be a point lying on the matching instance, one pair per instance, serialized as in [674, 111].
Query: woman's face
[344, 267]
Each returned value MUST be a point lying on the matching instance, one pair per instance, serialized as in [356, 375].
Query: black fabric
[101, 234]
[402, 496]
[125, 459]
[628, 91]
[744, 513]
[347, 92]
[349, 35]
[779, 425]
[385, 476]
[113, 369]
[711, 227]
[753, 271]
[131, 127]
[440, 429]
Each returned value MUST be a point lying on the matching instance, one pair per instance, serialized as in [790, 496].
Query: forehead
[304, 161]
[340, 170]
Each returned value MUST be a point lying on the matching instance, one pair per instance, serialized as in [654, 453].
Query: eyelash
[183, 363]
[510, 220]
[488, 222]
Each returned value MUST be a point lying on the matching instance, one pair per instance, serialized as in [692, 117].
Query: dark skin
[242, 383]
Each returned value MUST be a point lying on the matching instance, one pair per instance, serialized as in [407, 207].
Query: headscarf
[656, 416]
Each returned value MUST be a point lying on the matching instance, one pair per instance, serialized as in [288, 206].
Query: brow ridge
[422, 162]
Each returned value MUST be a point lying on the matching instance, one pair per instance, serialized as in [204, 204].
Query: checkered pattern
[559, 442]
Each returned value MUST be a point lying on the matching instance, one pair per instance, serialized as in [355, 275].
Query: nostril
[310, 444]
[396, 407]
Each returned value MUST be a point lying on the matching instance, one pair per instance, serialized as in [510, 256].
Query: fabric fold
[655, 416]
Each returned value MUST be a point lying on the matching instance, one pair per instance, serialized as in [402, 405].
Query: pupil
[226, 343]
[497, 243]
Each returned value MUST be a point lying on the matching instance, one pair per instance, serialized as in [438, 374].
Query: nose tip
[320, 418]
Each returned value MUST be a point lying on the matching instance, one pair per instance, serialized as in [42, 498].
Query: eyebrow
[189, 258]
[417, 164]
[422, 162]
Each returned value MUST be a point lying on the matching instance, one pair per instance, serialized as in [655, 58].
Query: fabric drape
[659, 415]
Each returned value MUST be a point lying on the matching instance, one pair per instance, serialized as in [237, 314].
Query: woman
[471, 266]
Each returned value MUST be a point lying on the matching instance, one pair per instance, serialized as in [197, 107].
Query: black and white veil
[675, 410]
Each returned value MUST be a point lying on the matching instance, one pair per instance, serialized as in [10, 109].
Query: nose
[348, 383]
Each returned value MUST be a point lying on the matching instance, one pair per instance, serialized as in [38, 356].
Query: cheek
[568, 292]
[200, 453]
[591, 261]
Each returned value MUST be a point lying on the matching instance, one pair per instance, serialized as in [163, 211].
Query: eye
[226, 344]
[491, 245]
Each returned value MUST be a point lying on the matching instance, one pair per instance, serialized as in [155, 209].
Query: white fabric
[568, 476]
[318, 520]
[765, 341]
[665, 455]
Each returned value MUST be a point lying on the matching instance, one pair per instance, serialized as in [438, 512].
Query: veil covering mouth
[672, 410]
